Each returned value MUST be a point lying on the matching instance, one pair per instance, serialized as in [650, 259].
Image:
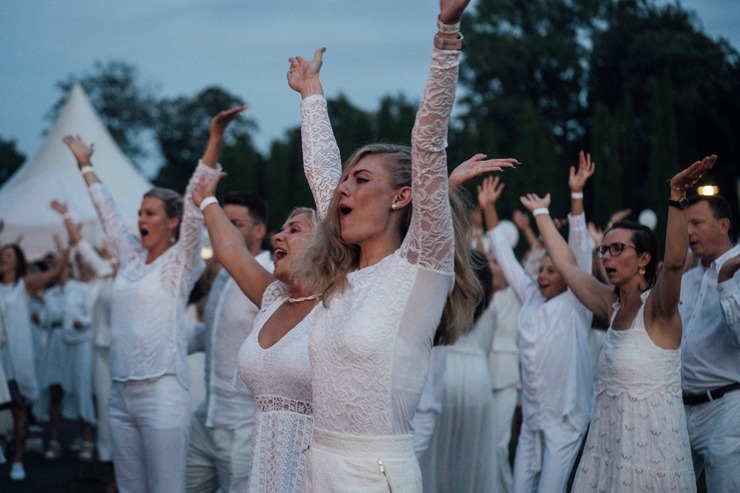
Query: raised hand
[618, 216]
[206, 188]
[221, 121]
[81, 151]
[59, 206]
[577, 179]
[450, 11]
[684, 179]
[533, 201]
[728, 269]
[476, 166]
[490, 190]
[597, 234]
[303, 75]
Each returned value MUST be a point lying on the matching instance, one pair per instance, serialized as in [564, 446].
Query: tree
[10, 159]
[182, 132]
[126, 107]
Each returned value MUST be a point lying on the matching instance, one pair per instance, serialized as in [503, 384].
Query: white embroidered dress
[148, 300]
[369, 349]
[638, 439]
[279, 378]
[17, 354]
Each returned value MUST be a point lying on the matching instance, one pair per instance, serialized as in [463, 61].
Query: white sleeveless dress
[280, 380]
[638, 439]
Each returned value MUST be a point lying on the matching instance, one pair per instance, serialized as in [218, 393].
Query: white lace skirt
[338, 463]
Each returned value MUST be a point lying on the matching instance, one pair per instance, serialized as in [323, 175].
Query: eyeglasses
[615, 249]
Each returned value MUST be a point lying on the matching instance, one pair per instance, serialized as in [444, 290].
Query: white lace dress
[280, 380]
[638, 439]
[369, 349]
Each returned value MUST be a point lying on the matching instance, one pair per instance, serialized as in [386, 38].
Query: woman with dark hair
[17, 358]
[637, 440]
[149, 402]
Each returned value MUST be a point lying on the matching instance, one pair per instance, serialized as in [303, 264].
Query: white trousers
[340, 463]
[219, 459]
[714, 434]
[504, 406]
[101, 389]
[544, 458]
[149, 426]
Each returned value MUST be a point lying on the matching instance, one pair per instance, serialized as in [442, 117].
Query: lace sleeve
[125, 245]
[321, 161]
[189, 243]
[430, 239]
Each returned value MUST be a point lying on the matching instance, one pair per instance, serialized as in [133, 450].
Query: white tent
[53, 174]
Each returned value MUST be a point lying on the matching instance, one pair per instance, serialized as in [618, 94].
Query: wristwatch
[679, 204]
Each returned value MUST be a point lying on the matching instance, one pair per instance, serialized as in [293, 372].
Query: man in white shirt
[710, 310]
[220, 450]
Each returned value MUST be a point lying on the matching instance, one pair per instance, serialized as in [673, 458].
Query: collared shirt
[228, 317]
[710, 346]
[556, 371]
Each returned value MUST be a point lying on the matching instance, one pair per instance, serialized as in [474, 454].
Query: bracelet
[442, 43]
[208, 201]
[576, 195]
[66, 216]
[87, 169]
[448, 28]
[541, 210]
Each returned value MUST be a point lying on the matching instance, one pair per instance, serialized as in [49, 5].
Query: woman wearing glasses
[637, 440]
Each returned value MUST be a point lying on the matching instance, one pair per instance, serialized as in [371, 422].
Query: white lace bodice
[370, 346]
[279, 377]
[148, 300]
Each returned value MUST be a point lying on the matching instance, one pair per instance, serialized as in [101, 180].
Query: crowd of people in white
[391, 340]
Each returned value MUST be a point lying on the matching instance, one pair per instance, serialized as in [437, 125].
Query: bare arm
[596, 296]
[40, 280]
[661, 310]
[229, 247]
[216, 134]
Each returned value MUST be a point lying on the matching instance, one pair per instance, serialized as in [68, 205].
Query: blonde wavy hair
[328, 258]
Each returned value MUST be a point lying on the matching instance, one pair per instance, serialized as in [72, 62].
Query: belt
[710, 395]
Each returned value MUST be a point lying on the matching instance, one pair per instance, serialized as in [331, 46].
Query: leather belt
[710, 395]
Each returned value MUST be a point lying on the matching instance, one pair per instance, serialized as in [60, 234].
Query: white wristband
[576, 195]
[87, 169]
[208, 201]
[66, 216]
[541, 210]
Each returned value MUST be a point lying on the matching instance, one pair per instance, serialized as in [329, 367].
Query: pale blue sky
[182, 46]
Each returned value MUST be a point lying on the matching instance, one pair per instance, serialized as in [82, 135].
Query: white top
[503, 356]
[370, 347]
[710, 343]
[556, 370]
[19, 349]
[279, 377]
[148, 300]
[229, 317]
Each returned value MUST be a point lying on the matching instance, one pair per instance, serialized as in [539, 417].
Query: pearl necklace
[315, 296]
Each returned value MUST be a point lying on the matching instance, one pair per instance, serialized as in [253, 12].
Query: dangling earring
[394, 206]
[172, 239]
[641, 271]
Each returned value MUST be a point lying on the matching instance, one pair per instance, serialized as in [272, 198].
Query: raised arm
[322, 163]
[430, 237]
[661, 311]
[216, 134]
[594, 295]
[35, 281]
[72, 229]
[228, 244]
[115, 229]
[476, 166]
[579, 239]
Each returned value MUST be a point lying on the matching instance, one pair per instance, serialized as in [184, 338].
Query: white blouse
[148, 300]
